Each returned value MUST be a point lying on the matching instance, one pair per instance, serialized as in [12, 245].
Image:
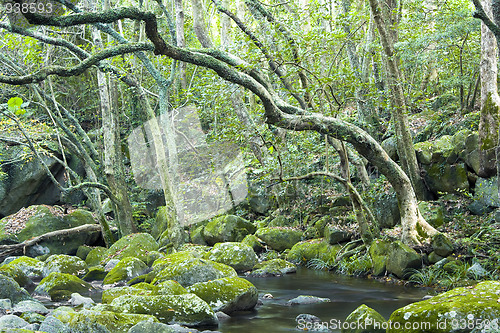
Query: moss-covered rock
[10, 289]
[401, 258]
[432, 213]
[334, 235]
[88, 321]
[279, 238]
[254, 242]
[30, 266]
[379, 250]
[195, 270]
[173, 259]
[134, 245]
[187, 309]
[227, 228]
[304, 251]
[169, 287]
[110, 294]
[60, 286]
[152, 257]
[16, 273]
[370, 319]
[150, 327]
[446, 178]
[196, 235]
[126, 269]
[239, 256]
[83, 251]
[273, 267]
[486, 192]
[96, 273]
[62, 263]
[42, 221]
[450, 311]
[227, 294]
[96, 256]
[442, 245]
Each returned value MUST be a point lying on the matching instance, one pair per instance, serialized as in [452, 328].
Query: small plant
[319, 264]
[357, 266]
[426, 277]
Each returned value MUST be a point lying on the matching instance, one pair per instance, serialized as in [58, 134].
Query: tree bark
[181, 40]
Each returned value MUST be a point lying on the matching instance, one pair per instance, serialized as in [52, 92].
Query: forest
[255, 165]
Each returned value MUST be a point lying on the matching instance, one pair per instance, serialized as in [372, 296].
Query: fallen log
[20, 248]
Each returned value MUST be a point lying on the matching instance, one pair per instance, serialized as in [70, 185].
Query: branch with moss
[481, 14]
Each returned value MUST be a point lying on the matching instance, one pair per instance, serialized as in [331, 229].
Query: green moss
[227, 294]
[172, 259]
[62, 263]
[187, 309]
[16, 273]
[170, 287]
[88, 321]
[134, 245]
[60, 286]
[227, 228]
[305, 251]
[279, 238]
[253, 242]
[379, 250]
[239, 256]
[96, 273]
[10, 289]
[366, 315]
[273, 267]
[490, 115]
[460, 305]
[96, 256]
[30, 266]
[109, 295]
[125, 269]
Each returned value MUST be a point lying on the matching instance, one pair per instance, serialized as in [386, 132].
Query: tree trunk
[181, 41]
[199, 24]
[490, 100]
[405, 147]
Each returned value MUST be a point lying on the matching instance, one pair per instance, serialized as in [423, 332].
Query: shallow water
[346, 295]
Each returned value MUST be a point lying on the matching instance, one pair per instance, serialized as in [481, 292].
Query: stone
[194, 270]
[279, 221]
[60, 286]
[5, 304]
[307, 299]
[78, 300]
[83, 251]
[253, 242]
[446, 178]
[273, 267]
[279, 238]
[30, 306]
[432, 212]
[110, 294]
[151, 327]
[227, 294]
[303, 252]
[53, 325]
[17, 274]
[152, 257]
[476, 271]
[95, 273]
[170, 287]
[486, 192]
[385, 209]
[227, 228]
[442, 245]
[30, 266]
[164, 232]
[401, 258]
[378, 251]
[126, 269]
[239, 256]
[134, 245]
[196, 235]
[96, 256]
[186, 309]
[111, 264]
[460, 305]
[88, 321]
[12, 321]
[334, 236]
[434, 258]
[372, 321]
[390, 147]
[260, 201]
[11, 290]
[62, 263]
[32, 318]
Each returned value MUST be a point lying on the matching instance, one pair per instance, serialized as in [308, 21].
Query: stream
[345, 293]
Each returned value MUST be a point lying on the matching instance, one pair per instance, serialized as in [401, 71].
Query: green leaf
[271, 149]
[14, 104]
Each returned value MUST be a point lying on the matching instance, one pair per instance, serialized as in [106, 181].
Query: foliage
[428, 276]
[357, 265]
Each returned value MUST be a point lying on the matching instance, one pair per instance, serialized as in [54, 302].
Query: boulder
[378, 251]
[88, 321]
[401, 258]
[442, 245]
[30, 306]
[53, 325]
[446, 178]
[227, 228]
[11, 321]
[11, 290]
[170, 287]
[96, 273]
[60, 286]
[303, 252]
[151, 327]
[239, 256]
[273, 267]
[253, 242]
[134, 245]
[385, 208]
[449, 311]
[17, 274]
[187, 309]
[110, 294]
[166, 232]
[194, 270]
[260, 201]
[227, 294]
[30, 266]
[96, 256]
[77, 300]
[83, 251]
[197, 236]
[307, 299]
[126, 269]
[62, 263]
[371, 320]
[334, 235]
[486, 192]
[279, 238]
[390, 147]
[44, 219]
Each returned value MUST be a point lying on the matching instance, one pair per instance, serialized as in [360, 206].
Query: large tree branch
[481, 14]
[42, 74]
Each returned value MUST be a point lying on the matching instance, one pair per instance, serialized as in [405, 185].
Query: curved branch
[481, 14]
[42, 74]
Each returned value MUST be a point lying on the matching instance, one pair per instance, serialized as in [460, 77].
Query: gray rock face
[30, 306]
[401, 258]
[335, 236]
[307, 299]
[151, 327]
[10, 289]
[53, 325]
[77, 300]
[11, 321]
